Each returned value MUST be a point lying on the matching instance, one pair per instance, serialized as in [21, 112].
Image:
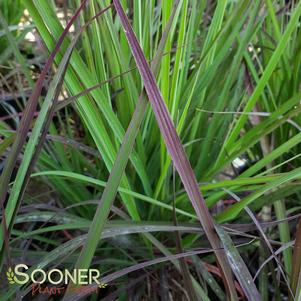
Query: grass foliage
[165, 150]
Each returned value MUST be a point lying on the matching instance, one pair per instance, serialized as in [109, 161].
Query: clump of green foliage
[103, 180]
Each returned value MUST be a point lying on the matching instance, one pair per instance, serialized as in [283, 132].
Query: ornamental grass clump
[160, 147]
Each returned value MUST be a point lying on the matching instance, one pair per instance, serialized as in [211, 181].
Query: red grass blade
[175, 148]
[30, 111]
[24, 127]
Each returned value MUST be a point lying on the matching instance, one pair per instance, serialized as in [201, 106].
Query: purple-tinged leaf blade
[175, 148]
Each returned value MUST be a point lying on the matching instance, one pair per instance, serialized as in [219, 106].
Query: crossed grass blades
[94, 184]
